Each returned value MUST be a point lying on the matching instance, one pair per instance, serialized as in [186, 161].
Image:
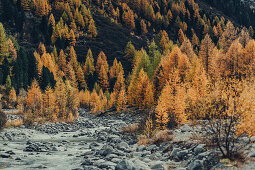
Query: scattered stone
[158, 165]
[141, 148]
[252, 139]
[116, 160]
[88, 153]
[93, 145]
[151, 147]
[140, 165]
[186, 128]
[123, 146]
[106, 150]
[5, 155]
[90, 168]
[174, 152]
[87, 162]
[181, 155]
[199, 149]
[107, 164]
[125, 165]
[252, 153]
[137, 154]
[196, 165]
[10, 152]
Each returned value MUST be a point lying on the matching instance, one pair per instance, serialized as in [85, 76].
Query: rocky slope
[96, 143]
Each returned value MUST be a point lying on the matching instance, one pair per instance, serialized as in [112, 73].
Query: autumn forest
[180, 63]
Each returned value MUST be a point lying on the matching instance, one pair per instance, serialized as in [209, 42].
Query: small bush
[157, 139]
[130, 128]
[14, 123]
[3, 119]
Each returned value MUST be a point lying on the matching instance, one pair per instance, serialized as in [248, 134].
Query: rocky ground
[95, 142]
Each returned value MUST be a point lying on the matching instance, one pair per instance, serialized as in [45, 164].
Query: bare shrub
[224, 111]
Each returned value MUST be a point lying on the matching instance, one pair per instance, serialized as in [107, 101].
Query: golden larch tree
[72, 38]
[181, 36]
[206, 53]
[92, 31]
[49, 104]
[102, 61]
[103, 78]
[89, 67]
[34, 101]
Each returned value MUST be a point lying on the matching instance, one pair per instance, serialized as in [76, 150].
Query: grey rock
[151, 147]
[174, 152]
[110, 156]
[140, 165]
[137, 154]
[252, 139]
[10, 152]
[146, 160]
[106, 150]
[87, 162]
[90, 168]
[196, 165]
[120, 153]
[125, 165]
[199, 149]
[5, 155]
[88, 153]
[252, 153]
[186, 128]
[158, 165]
[141, 148]
[145, 153]
[93, 145]
[107, 164]
[116, 160]
[123, 146]
[246, 139]
[182, 154]
[99, 162]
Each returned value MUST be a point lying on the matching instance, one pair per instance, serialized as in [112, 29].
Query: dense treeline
[196, 66]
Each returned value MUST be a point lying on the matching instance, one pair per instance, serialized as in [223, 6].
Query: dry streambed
[97, 143]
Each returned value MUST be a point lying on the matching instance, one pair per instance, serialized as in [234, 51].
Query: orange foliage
[171, 104]
[102, 60]
[103, 78]
[176, 60]
[34, 101]
[140, 91]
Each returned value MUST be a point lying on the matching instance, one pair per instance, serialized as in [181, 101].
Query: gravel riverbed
[95, 142]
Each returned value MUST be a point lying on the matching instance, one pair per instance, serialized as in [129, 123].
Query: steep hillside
[240, 11]
[112, 38]
[173, 62]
